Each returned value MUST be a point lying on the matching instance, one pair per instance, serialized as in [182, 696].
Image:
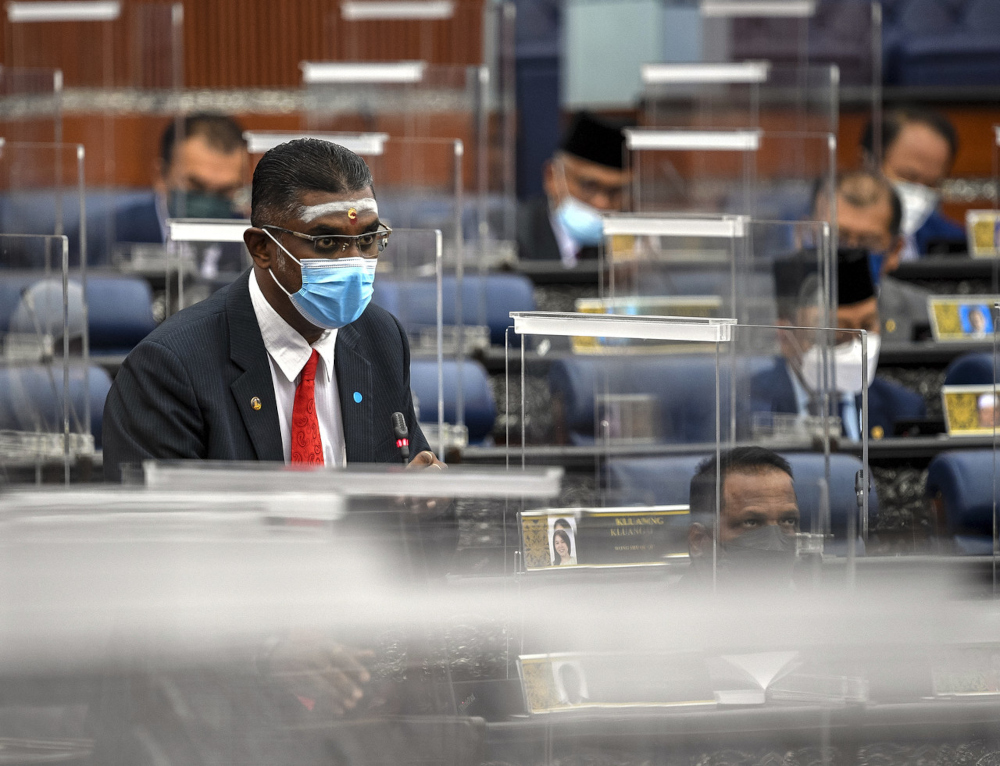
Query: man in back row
[290, 362]
[918, 150]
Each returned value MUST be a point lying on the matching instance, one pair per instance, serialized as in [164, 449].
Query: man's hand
[323, 676]
[425, 459]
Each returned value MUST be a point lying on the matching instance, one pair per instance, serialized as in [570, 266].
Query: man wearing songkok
[583, 180]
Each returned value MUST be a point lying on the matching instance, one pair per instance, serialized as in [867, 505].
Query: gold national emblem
[255, 403]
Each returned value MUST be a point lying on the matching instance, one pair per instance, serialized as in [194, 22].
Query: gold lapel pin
[255, 403]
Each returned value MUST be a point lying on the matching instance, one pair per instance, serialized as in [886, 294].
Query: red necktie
[307, 446]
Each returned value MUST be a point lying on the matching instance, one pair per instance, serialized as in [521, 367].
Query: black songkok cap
[854, 277]
[595, 141]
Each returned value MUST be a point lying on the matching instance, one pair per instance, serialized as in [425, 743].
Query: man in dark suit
[791, 385]
[918, 150]
[200, 172]
[869, 214]
[289, 362]
[584, 179]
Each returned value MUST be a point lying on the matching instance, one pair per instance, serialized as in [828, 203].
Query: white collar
[283, 342]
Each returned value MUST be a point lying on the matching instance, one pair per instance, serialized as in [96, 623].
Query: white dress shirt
[287, 354]
[851, 416]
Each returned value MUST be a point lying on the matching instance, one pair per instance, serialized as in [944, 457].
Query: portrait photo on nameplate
[561, 538]
[970, 410]
[958, 319]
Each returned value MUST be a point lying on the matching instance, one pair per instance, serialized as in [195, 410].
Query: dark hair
[564, 523]
[745, 460]
[569, 544]
[220, 131]
[303, 165]
[847, 187]
[895, 120]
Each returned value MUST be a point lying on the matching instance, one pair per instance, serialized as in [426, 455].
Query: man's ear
[699, 540]
[257, 243]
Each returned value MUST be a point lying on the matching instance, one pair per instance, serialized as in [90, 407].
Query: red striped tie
[307, 445]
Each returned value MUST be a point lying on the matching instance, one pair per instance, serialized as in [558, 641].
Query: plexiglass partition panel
[710, 266]
[638, 403]
[202, 255]
[119, 63]
[770, 176]
[48, 394]
[750, 94]
[31, 104]
[414, 99]
[43, 192]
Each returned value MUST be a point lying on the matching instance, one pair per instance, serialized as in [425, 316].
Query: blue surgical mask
[334, 292]
[581, 221]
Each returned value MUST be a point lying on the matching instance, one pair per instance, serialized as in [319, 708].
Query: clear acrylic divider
[201, 255]
[709, 266]
[767, 175]
[43, 190]
[364, 609]
[50, 398]
[803, 33]
[31, 104]
[120, 66]
[746, 94]
[636, 404]
[416, 99]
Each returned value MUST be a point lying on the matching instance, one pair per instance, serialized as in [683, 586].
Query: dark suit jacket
[134, 223]
[185, 391]
[771, 391]
[937, 227]
[535, 239]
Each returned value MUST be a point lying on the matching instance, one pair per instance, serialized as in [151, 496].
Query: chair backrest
[480, 410]
[487, 298]
[667, 480]
[683, 386]
[31, 397]
[119, 308]
[970, 370]
[964, 482]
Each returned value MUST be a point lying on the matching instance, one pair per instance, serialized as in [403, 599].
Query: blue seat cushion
[480, 409]
[964, 481]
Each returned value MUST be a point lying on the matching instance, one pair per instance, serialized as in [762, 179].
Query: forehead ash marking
[310, 213]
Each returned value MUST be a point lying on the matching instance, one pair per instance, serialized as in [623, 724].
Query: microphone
[402, 434]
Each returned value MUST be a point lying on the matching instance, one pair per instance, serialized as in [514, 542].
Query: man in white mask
[583, 180]
[918, 151]
[793, 384]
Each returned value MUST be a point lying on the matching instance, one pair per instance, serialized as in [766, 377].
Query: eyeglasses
[369, 244]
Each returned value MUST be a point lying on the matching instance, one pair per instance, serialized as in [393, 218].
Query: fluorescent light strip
[329, 72]
[996, 131]
[194, 230]
[375, 11]
[614, 326]
[722, 228]
[100, 10]
[772, 8]
[746, 72]
[365, 144]
[714, 140]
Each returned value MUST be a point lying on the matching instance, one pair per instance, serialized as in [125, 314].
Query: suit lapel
[354, 376]
[253, 390]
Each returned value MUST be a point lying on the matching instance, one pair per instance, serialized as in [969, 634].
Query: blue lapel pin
[358, 397]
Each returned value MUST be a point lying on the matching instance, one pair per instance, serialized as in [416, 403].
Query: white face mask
[918, 202]
[846, 361]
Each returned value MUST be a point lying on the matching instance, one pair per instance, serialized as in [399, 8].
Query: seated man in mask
[758, 517]
[584, 179]
[869, 216]
[918, 151]
[793, 385]
[200, 172]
